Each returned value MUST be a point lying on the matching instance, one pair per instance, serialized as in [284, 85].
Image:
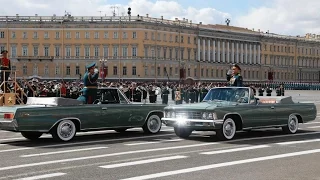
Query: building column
[209, 50]
[254, 54]
[250, 53]
[214, 50]
[228, 52]
[246, 53]
[242, 52]
[237, 58]
[259, 58]
[232, 52]
[203, 49]
[199, 55]
[223, 52]
[218, 51]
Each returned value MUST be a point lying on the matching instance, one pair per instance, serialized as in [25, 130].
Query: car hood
[198, 106]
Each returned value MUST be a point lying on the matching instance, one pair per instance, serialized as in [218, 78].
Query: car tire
[121, 130]
[31, 135]
[228, 130]
[292, 126]
[64, 131]
[152, 125]
[182, 132]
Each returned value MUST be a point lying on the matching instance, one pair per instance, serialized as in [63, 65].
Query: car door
[265, 113]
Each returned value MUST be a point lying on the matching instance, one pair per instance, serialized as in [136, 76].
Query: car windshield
[238, 95]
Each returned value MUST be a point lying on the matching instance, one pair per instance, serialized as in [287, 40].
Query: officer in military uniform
[164, 95]
[90, 89]
[234, 77]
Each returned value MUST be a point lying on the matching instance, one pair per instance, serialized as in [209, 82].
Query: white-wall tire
[64, 131]
[152, 125]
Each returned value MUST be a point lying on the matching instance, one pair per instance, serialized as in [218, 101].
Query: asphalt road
[265, 154]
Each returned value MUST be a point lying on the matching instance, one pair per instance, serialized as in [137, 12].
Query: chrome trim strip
[194, 120]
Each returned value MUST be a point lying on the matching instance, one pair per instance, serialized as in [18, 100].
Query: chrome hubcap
[293, 124]
[229, 129]
[153, 124]
[66, 130]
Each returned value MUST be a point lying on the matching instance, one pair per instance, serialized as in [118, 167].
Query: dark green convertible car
[63, 117]
[230, 109]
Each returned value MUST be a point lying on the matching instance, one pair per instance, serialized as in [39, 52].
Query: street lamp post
[102, 72]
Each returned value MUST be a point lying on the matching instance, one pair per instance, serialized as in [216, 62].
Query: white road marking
[225, 164]
[235, 149]
[312, 123]
[143, 162]
[43, 176]
[153, 142]
[298, 142]
[313, 127]
[81, 143]
[66, 151]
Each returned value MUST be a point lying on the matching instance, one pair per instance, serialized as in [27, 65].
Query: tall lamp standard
[103, 68]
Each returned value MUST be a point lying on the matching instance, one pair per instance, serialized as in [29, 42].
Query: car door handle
[104, 108]
[272, 107]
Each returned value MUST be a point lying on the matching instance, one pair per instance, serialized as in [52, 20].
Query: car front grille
[189, 115]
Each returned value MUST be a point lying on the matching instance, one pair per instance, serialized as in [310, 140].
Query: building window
[68, 52]
[13, 35]
[86, 52]
[134, 35]
[195, 72]
[68, 70]
[57, 35]
[170, 71]
[87, 35]
[35, 69]
[77, 70]
[115, 51]
[115, 35]
[212, 71]
[2, 48]
[134, 51]
[96, 51]
[13, 51]
[146, 35]
[165, 71]
[106, 35]
[202, 72]
[153, 53]
[57, 51]
[46, 70]
[35, 35]
[46, 35]
[68, 35]
[46, 51]
[134, 70]
[57, 70]
[96, 35]
[189, 40]
[35, 51]
[2, 34]
[158, 71]
[24, 35]
[25, 70]
[124, 35]
[124, 70]
[164, 37]
[24, 51]
[77, 51]
[146, 70]
[115, 70]
[189, 72]
[146, 52]
[77, 35]
[159, 37]
[124, 52]
[105, 51]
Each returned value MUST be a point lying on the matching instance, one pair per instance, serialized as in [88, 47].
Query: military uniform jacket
[90, 83]
[235, 80]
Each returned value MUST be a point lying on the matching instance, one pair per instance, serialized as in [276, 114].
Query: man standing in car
[234, 77]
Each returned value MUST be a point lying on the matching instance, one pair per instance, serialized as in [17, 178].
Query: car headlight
[209, 115]
[204, 115]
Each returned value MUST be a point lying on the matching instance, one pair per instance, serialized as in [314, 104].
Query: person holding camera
[234, 77]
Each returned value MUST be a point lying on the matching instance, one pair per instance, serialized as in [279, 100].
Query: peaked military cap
[91, 65]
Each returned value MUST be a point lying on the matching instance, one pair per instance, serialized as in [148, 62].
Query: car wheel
[182, 132]
[64, 131]
[121, 130]
[31, 135]
[292, 126]
[152, 125]
[228, 130]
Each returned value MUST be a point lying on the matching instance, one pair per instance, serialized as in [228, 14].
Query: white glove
[96, 70]
[229, 72]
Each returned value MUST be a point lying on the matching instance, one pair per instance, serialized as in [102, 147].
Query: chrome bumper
[192, 122]
[8, 125]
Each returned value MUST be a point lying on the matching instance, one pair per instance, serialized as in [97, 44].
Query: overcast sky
[291, 17]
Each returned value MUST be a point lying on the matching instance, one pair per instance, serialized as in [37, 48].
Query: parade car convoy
[224, 110]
